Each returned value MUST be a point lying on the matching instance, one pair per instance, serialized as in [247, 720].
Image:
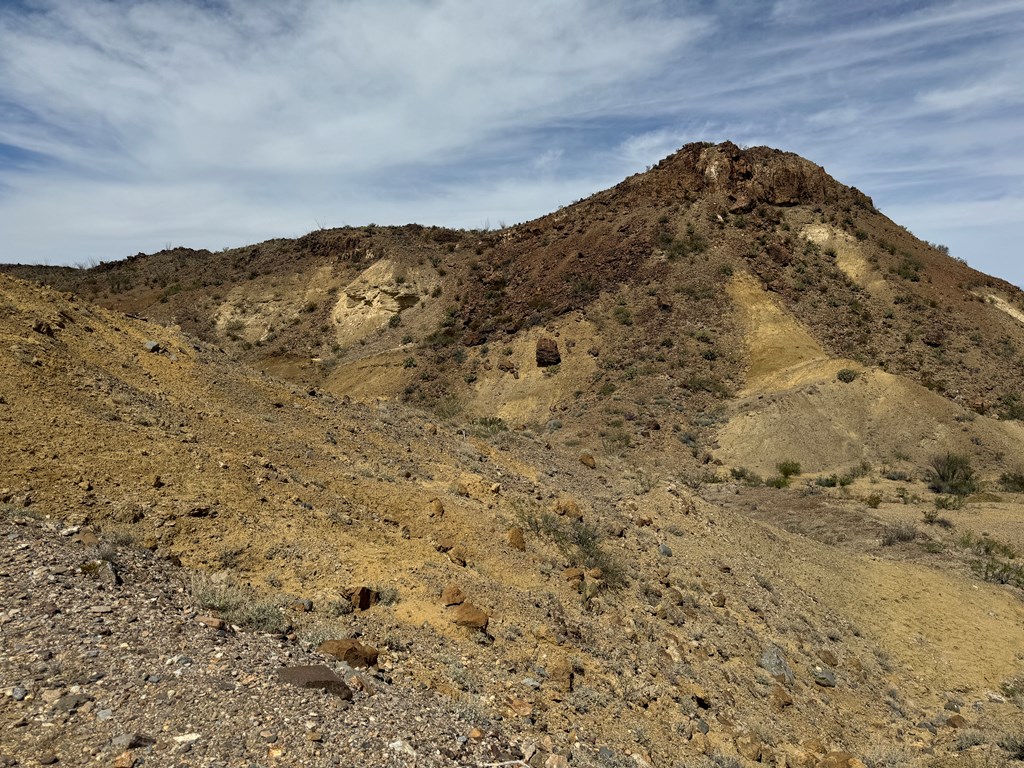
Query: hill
[570, 420]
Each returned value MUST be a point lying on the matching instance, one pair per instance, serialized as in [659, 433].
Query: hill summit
[717, 465]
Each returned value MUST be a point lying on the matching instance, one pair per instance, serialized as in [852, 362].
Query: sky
[129, 127]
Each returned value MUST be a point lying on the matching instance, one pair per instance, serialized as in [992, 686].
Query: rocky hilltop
[716, 467]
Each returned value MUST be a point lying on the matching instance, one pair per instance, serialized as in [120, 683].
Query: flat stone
[71, 702]
[315, 677]
[125, 741]
[211, 621]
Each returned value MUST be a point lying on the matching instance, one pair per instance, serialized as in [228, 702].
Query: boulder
[774, 663]
[547, 352]
[363, 598]
[351, 651]
[315, 677]
[517, 539]
[468, 615]
[823, 676]
[452, 595]
[748, 744]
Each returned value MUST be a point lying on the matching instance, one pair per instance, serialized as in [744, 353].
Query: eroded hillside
[672, 444]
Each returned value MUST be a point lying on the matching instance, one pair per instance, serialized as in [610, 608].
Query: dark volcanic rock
[547, 352]
[316, 677]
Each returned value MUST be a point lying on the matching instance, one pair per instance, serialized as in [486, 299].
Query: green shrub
[829, 481]
[490, 425]
[778, 481]
[952, 473]
[746, 476]
[622, 314]
[580, 542]
[846, 375]
[788, 468]
[1012, 482]
[874, 500]
[949, 502]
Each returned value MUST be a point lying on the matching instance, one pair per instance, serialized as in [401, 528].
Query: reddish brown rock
[452, 595]
[547, 352]
[827, 657]
[781, 698]
[210, 621]
[837, 760]
[517, 539]
[588, 461]
[351, 651]
[363, 598]
[468, 615]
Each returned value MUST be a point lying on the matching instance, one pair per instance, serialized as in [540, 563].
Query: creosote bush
[579, 542]
[951, 473]
[788, 468]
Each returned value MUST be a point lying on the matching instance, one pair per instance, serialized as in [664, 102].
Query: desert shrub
[448, 407]
[746, 476]
[778, 481]
[952, 473]
[788, 468]
[969, 738]
[580, 542]
[998, 571]
[386, 595]
[1012, 482]
[1011, 407]
[622, 314]
[1013, 744]
[236, 604]
[874, 500]
[827, 481]
[898, 533]
[489, 425]
[897, 475]
[949, 502]
[986, 546]
[847, 375]
[931, 517]
[340, 607]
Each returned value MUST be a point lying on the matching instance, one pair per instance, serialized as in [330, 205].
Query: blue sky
[129, 126]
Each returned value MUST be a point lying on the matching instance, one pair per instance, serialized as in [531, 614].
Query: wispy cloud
[127, 125]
